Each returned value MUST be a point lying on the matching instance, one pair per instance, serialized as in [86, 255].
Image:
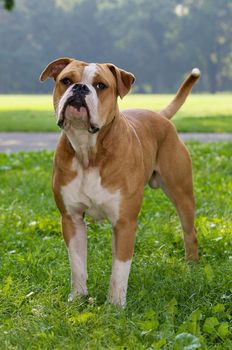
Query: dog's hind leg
[175, 178]
[185, 207]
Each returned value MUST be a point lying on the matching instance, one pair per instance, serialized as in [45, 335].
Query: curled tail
[181, 95]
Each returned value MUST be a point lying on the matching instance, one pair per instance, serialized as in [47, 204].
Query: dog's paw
[117, 298]
[72, 296]
[75, 294]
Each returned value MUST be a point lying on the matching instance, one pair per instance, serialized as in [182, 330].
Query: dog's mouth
[75, 112]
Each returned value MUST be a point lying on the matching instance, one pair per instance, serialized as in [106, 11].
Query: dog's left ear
[54, 68]
[123, 78]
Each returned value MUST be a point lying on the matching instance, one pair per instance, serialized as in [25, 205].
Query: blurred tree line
[159, 41]
[8, 4]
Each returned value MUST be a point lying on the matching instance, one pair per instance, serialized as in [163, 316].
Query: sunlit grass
[171, 305]
[26, 103]
[201, 112]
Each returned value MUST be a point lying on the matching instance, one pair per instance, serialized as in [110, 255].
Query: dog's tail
[181, 95]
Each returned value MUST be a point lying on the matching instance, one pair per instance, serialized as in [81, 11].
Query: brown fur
[133, 148]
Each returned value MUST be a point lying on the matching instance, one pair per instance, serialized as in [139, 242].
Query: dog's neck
[87, 145]
[83, 144]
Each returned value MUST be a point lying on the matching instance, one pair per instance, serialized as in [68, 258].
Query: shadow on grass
[204, 124]
[26, 120]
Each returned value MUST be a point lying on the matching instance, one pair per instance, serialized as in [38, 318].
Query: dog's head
[85, 95]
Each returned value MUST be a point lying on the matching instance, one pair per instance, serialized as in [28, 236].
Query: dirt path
[35, 141]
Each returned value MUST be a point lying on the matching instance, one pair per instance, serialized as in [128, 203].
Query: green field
[201, 113]
[171, 305]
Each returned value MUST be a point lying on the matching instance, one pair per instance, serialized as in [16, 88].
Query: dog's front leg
[74, 232]
[122, 249]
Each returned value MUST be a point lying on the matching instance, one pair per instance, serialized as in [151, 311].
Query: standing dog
[105, 157]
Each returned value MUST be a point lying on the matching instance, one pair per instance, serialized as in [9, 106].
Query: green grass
[171, 305]
[202, 113]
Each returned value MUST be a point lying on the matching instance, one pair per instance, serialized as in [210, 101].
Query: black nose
[81, 89]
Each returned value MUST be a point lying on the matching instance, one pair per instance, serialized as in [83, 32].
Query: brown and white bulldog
[104, 158]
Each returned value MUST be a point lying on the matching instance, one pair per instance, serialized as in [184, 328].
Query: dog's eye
[100, 86]
[66, 81]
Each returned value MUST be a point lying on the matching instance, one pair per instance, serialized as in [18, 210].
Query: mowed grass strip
[200, 113]
[171, 305]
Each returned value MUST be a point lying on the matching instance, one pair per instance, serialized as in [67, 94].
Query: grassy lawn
[171, 305]
[202, 113]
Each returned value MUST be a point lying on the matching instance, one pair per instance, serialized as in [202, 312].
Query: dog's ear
[123, 78]
[54, 68]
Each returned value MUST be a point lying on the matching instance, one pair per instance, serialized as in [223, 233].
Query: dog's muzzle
[77, 100]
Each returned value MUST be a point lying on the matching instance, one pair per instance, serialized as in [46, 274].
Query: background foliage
[159, 40]
[8, 4]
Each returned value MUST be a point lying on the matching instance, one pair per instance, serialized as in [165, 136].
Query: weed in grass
[171, 305]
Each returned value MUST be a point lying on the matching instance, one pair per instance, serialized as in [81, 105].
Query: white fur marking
[119, 282]
[81, 141]
[91, 99]
[86, 191]
[63, 99]
[77, 255]
[89, 73]
[196, 72]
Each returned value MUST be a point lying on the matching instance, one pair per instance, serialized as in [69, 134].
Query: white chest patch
[86, 193]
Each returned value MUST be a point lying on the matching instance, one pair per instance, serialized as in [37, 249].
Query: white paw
[72, 296]
[118, 282]
[118, 297]
[75, 294]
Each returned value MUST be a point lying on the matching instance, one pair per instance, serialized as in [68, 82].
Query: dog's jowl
[105, 157]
